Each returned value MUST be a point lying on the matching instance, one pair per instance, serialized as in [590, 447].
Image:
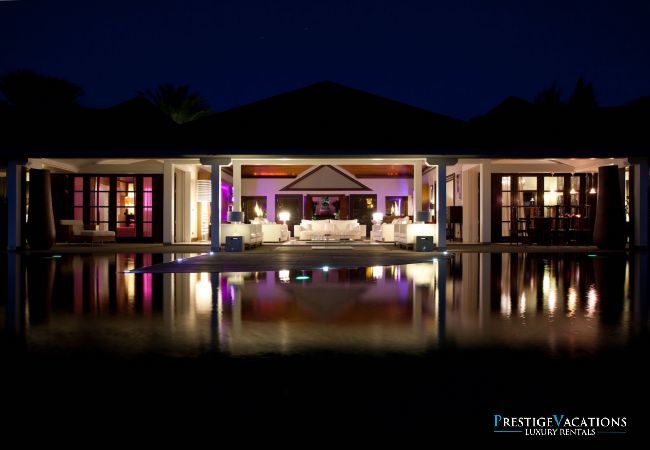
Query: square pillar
[471, 201]
[441, 205]
[641, 203]
[485, 199]
[236, 185]
[417, 187]
[215, 208]
[15, 211]
[168, 203]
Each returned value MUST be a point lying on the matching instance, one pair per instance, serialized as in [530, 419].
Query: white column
[236, 185]
[441, 205]
[470, 205]
[486, 203]
[193, 204]
[182, 206]
[641, 204]
[215, 208]
[14, 205]
[417, 187]
[168, 203]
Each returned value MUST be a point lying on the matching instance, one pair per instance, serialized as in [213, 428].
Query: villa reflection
[572, 302]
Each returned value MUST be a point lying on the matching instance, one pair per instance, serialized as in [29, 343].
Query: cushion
[341, 225]
[320, 225]
[97, 233]
[345, 225]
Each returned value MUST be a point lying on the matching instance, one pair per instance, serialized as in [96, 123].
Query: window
[128, 205]
[78, 198]
[553, 194]
[506, 205]
[100, 202]
[527, 201]
[574, 190]
[147, 207]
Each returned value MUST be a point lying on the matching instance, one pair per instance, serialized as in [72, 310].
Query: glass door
[506, 206]
[99, 203]
[129, 205]
[126, 218]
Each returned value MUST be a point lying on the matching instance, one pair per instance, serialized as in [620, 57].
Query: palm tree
[584, 96]
[550, 97]
[178, 102]
[26, 89]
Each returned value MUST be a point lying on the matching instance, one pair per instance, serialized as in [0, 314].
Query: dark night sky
[454, 57]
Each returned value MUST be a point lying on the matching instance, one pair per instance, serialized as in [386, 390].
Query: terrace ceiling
[358, 171]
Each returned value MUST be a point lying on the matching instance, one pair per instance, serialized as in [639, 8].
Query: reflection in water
[90, 302]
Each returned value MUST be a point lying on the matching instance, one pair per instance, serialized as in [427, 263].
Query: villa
[323, 162]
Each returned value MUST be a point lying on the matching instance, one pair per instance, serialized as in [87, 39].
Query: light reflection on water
[91, 303]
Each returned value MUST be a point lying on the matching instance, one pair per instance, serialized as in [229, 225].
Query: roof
[327, 119]
[517, 126]
[324, 117]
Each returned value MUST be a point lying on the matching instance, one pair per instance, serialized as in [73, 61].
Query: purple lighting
[226, 198]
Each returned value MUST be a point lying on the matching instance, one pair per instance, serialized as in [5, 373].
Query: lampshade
[235, 216]
[378, 216]
[203, 191]
[284, 216]
[422, 216]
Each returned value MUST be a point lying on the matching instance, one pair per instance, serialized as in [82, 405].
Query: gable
[326, 178]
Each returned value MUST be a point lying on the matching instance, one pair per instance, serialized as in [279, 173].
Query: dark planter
[40, 225]
[609, 229]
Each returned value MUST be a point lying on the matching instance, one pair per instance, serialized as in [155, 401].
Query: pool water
[553, 303]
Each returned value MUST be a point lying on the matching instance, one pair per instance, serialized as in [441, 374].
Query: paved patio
[287, 257]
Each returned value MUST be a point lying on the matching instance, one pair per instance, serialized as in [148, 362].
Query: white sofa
[405, 233]
[388, 229]
[275, 232]
[251, 232]
[329, 227]
[78, 234]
